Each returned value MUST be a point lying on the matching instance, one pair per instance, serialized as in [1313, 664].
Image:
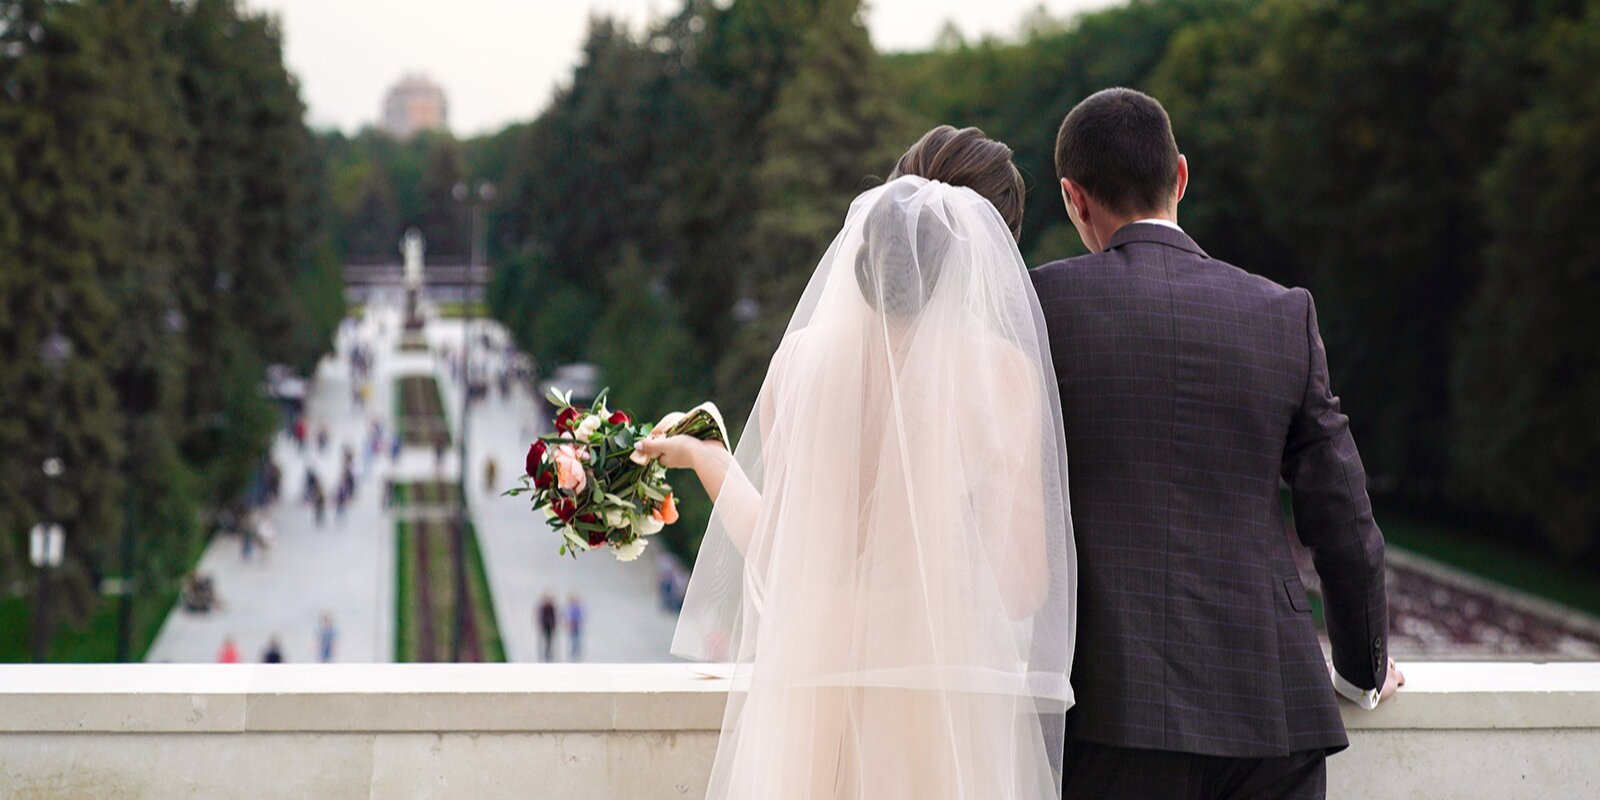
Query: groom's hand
[1395, 680]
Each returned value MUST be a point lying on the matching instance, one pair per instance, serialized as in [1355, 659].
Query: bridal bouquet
[594, 488]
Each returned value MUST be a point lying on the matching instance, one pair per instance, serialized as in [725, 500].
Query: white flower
[617, 517]
[631, 550]
[588, 426]
[646, 525]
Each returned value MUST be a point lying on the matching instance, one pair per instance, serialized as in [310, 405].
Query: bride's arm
[1025, 578]
[736, 499]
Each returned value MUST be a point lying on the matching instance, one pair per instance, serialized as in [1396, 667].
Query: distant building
[414, 104]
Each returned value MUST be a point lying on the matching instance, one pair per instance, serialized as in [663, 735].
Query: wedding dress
[890, 571]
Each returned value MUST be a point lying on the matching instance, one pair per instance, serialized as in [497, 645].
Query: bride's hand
[677, 452]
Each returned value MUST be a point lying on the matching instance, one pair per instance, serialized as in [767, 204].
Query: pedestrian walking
[575, 615]
[274, 652]
[546, 619]
[247, 543]
[229, 654]
[327, 634]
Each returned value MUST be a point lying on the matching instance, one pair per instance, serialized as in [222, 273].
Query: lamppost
[47, 543]
[474, 198]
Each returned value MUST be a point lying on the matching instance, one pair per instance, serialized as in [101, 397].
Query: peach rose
[570, 474]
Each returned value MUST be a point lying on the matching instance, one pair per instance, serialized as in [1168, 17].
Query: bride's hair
[900, 258]
[967, 157]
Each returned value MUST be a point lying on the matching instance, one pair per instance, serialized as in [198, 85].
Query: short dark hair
[1117, 144]
[967, 157]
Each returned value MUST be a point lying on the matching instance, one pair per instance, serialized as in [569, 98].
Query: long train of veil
[893, 576]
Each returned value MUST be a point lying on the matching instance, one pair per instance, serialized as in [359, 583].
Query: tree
[250, 159]
[444, 218]
[373, 229]
[1525, 385]
[834, 127]
[56, 225]
[1210, 83]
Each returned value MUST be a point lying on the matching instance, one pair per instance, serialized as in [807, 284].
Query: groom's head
[1118, 162]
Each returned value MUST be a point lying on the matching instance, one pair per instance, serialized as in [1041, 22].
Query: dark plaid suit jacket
[1190, 388]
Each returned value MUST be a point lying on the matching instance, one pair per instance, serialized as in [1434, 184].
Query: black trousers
[1095, 771]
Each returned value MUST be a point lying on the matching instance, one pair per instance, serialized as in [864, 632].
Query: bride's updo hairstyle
[898, 264]
[967, 157]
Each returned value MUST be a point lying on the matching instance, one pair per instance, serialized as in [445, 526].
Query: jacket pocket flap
[1297, 594]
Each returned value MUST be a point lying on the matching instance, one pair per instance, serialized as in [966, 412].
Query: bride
[889, 566]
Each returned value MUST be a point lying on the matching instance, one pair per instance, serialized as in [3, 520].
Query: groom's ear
[1074, 198]
[1183, 179]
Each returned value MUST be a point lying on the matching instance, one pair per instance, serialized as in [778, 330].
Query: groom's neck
[1107, 226]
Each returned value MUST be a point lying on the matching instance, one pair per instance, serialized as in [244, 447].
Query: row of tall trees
[157, 217]
[1424, 166]
[378, 187]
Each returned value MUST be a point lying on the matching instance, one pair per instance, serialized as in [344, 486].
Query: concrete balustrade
[609, 732]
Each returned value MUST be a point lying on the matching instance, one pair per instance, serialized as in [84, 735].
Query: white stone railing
[574, 732]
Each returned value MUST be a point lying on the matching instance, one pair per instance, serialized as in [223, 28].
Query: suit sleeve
[1333, 517]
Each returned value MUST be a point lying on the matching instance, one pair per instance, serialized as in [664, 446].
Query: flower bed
[419, 412]
[425, 602]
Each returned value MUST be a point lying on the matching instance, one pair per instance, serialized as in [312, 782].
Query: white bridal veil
[893, 576]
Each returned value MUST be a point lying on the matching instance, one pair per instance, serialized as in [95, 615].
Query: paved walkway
[625, 622]
[344, 567]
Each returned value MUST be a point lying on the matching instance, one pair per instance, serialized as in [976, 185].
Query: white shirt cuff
[1366, 698]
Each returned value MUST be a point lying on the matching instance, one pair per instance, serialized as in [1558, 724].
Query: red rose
[565, 419]
[564, 507]
[597, 538]
[535, 459]
[620, 418]
[542, 479]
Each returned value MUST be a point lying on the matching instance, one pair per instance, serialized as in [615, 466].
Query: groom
[1191, 391]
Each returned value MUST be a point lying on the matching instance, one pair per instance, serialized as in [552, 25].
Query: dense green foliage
[156, 185]
[1424, 166]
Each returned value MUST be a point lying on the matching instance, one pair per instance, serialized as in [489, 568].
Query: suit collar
[1159, 234]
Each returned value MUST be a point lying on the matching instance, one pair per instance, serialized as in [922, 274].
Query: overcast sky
[498, 60]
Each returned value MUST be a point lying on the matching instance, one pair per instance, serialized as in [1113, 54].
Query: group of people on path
[377, 443]
[548, 617]
[358, 457]
[327, 636]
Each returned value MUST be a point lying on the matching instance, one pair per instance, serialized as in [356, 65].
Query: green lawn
[1570, 582]
[492, 647]
[405, 637]
[458, 309]
[95, 641]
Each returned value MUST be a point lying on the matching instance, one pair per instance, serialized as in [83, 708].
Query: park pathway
[342, 568]
[347, 569]
[625, 621]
